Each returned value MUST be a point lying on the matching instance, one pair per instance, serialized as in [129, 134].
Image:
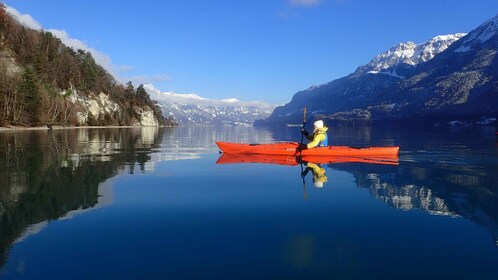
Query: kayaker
[318, 173]
[319, 137]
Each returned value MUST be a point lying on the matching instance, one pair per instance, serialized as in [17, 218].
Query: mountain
[194, 109]
[461, 82]
[449, 76]
[45, 83]
[406, 56]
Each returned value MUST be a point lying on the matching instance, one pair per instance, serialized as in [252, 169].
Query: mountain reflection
[44, 175]
[439, 189]
[448, 172]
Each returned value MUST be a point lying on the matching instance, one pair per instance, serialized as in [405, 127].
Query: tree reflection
[44, 175]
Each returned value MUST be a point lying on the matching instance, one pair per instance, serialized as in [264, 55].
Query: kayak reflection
[315, 164]
[231, 158]
[318, 171]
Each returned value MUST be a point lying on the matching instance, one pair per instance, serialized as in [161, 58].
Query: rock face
[194, 109]
[97, 106]
[450, 76]
[147, 117]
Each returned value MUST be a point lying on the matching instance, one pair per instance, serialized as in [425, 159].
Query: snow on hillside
[409, 53]
[479, 36]
[194, 109]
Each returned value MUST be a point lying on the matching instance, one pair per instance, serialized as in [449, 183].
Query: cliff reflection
[44, 175]
[443, 171]
[439, 189]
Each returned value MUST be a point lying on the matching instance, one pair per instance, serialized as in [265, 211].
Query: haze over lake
[152, 203]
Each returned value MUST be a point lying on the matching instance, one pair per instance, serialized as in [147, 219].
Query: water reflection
[438, 189]
[49, 175]
[447, 172]
[317, 170]
[54, 175]
[444, 171]
[45, 175]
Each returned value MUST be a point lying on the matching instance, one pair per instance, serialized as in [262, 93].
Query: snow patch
[480, 35]
[410, 53]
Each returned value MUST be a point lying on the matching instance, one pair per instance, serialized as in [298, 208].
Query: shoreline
[22, 128]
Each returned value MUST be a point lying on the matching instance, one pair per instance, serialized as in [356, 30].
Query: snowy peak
[408, 54]
[194, 109]
[480, 35]
[170, 96]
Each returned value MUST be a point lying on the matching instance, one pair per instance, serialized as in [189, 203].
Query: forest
[37, 72]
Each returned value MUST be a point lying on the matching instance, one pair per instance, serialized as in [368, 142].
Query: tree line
[36, 69]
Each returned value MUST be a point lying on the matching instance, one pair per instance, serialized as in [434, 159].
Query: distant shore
[58, 127]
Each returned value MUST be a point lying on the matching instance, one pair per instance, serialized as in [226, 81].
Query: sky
[264, 50]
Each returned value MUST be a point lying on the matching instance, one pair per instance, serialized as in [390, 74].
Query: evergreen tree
[29, 92]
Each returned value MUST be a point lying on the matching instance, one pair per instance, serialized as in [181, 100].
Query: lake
[152, 203]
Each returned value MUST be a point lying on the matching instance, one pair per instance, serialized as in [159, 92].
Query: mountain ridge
[451, 84]
[194, 109]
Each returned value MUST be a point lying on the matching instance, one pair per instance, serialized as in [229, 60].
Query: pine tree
[32, 100]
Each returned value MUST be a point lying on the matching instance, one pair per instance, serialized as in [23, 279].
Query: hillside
[450, 77]
[44, 82]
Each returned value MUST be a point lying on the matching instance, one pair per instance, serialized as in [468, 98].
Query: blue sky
[263, 50]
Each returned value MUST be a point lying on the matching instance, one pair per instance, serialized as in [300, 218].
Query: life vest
[325, 141]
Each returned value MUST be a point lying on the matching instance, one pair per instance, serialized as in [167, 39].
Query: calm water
[153, 204]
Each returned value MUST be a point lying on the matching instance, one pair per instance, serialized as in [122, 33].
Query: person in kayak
[318, 172]
[319, 137]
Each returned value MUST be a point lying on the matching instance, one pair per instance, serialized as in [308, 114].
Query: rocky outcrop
[97, 106]
[147, 117]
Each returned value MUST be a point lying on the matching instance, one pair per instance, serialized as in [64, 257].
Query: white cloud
[303, 3]
[293, 5]
[136, 80]
[125, 68]
[24, 19]
[101, 58]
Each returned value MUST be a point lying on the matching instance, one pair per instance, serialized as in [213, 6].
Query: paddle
[300, 153]
[304, 182]
[302, 134]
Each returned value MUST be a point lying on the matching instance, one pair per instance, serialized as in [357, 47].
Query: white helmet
[318, 124]
[318, 184]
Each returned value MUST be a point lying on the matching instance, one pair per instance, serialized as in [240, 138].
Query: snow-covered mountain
[446, 78]
[479, 36]
[401, 58]
[194, 109]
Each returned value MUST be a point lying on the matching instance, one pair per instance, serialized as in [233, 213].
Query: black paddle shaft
[302, 133]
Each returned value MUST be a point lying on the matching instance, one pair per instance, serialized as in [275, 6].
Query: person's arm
[317, 170]
[316, 141]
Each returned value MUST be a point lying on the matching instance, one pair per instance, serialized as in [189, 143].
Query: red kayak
[291, 149]
[227, 158]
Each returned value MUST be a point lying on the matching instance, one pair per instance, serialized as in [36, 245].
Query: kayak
[230, 158]
[291, 149]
